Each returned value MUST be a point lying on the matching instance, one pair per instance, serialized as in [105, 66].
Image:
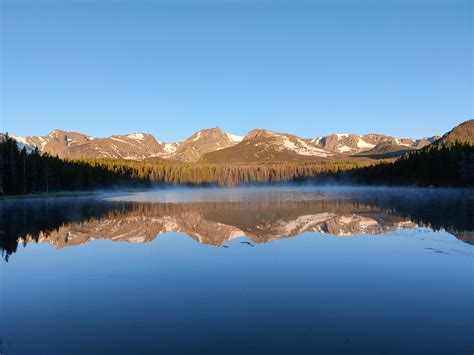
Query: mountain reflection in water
[260, 216]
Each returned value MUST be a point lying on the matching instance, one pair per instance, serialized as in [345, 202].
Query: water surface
[248, 270]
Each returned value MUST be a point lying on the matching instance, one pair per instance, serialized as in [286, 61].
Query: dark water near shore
[236, 271]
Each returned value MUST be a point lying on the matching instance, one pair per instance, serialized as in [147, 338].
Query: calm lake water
[280, 270]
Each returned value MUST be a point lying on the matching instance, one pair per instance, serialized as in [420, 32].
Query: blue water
[406, 288]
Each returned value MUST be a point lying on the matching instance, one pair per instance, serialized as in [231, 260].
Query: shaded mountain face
[463, 133]
[372, 144]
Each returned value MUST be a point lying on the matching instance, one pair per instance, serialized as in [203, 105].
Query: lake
[253, 270]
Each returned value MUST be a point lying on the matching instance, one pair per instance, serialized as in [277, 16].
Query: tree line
[28, 221]
[451, 165]
[169, 172]
[33, 221]
[23, 172]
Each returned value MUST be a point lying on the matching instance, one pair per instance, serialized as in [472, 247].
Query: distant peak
[211, 130]
[56, 131]
[259, 132]
[138, 136]
[234, 138]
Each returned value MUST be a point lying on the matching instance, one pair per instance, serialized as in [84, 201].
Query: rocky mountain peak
[259, 132]
[202, 142]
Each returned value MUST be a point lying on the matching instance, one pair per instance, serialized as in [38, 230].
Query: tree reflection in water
[69, 222]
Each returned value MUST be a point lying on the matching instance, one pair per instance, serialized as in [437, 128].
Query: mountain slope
[261, 145]
[463, 133]
[202, 142]
[136, 146]
[386, 150]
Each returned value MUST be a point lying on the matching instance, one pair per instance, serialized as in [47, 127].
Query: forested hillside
[437, 165]
[22, 172]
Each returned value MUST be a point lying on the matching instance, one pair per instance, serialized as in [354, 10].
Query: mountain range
[216, 146]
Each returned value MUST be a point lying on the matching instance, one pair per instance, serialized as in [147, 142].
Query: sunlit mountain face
[259, 216]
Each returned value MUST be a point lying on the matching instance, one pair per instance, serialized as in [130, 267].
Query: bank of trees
[30, 172]
[24, 172]
[168, 172]
[451, 165]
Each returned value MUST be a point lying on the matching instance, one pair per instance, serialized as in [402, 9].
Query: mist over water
[248, 192]
[327, 269]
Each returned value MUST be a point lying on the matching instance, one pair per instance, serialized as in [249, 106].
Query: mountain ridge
[213, 145]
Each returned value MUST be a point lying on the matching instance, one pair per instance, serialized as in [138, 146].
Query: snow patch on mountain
[19, 139]
[304, 222]
[198, 135]
[399, 142]
[22, 142]
[344, 149]
[138, 136]
[119, 140]
[42, 142]
[234, 138]
[170, 148]
[364, 145]
[302, 148]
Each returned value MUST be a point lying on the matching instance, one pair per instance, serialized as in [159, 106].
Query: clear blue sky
[399, 67]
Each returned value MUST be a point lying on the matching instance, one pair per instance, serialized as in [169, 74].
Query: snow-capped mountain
[136, 146]
[354, 144]
[77, 145]
[202, 142]
[57, 142]
[284, 142]
[261, 145]
[216, 146]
